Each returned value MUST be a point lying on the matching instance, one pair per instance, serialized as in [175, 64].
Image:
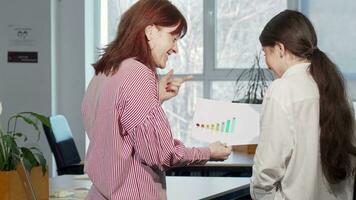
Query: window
[327, 20]
[222, 40]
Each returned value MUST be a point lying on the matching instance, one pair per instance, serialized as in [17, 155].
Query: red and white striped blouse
[131, 143]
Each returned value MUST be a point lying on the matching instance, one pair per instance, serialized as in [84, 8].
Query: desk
[236, 159]
[239, 164]
[178, 188]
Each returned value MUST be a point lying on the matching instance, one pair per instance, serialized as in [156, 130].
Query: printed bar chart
[225, 127]
[232, 123]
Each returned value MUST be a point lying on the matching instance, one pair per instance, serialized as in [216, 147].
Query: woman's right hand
[219, 151]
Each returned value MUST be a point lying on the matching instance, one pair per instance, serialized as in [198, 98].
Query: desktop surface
[178, 188]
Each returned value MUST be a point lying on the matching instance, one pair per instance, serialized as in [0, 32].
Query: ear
[150, 32]
[280, 48]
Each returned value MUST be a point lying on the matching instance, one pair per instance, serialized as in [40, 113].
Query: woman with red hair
[131, 143]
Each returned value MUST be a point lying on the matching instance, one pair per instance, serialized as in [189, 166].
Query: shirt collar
[295, 69]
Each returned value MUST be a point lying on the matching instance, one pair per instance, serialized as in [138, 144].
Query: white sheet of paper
[233, 123]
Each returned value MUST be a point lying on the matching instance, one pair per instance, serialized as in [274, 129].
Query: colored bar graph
[227, 127]
[233, 124]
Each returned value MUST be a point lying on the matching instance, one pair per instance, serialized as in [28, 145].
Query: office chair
[60, 140]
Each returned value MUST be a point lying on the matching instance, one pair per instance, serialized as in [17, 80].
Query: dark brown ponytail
[336, 119]
[337, 123]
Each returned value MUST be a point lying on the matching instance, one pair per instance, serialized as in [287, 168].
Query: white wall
[335, 25]
[27, 87]
[23, 86]
[352, 88]
[70, 64]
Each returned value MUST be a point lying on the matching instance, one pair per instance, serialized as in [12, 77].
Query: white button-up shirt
[287, 162]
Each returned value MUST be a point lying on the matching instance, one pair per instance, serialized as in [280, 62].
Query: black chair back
[63, 147]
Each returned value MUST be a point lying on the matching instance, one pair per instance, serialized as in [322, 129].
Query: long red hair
[131, 40]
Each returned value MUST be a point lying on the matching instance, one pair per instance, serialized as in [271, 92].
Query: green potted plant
[32, 158]
[252, 83]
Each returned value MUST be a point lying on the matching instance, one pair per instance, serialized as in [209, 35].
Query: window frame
[210, 72]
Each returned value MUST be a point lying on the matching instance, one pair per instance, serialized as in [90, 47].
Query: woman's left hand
[169, 87]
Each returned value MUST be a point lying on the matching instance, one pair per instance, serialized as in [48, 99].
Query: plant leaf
[35, 149]
[9, 150]
[19, 135]
[2, 156]
[42, 162]
[30, 122]
[11, 144]
[27, 154]
[42, 118]
[27, 164]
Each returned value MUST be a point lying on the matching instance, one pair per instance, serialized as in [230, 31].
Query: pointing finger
[187, 78]
[169, 75]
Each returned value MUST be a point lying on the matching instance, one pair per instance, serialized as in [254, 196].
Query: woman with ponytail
[307, 144]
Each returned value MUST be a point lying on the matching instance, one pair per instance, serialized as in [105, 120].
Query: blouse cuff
[198, 155]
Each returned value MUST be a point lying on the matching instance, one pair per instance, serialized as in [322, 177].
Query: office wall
[24, 86]
[56, 84]
[70, 65]
[336, 29]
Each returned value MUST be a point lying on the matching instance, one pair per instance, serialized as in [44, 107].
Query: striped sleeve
[145, 122]
[155, 146]
[141, 95]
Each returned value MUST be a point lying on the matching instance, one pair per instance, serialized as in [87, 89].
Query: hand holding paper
[219, 151]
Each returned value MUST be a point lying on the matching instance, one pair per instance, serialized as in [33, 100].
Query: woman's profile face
[272, 58]
[163, 44]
